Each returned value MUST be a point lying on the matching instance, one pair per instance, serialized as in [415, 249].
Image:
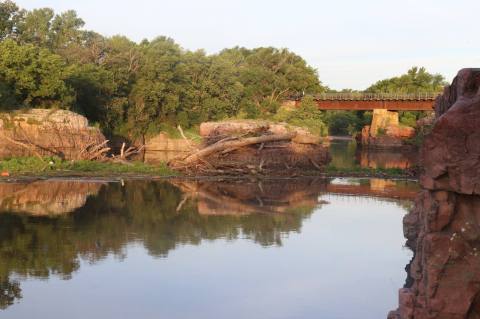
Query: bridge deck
[371, 101]
[354, 96]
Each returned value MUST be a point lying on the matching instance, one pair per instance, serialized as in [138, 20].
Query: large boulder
[443, 229]
[254, 147]
[214, 131]
[451, 152]
[46, 132]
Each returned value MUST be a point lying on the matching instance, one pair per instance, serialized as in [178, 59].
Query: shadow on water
[48, 227]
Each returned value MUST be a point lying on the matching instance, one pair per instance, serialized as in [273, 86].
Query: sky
[351, 43]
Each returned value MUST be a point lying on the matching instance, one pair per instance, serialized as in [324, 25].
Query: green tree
[9, 17]
[416, 80]
[269, 75]
[32, 77]
[155, 96]
[306, 115]
[34, 27]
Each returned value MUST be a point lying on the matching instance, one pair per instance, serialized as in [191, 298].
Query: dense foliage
[49, 60]
[416, 80]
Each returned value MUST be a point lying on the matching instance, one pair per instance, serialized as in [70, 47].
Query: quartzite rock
[47, 132]
[385, 131]
[443, 229]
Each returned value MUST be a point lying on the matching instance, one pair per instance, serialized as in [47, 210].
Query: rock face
[213, 131]
[443, 229]
[385, 130]
[254, 147]
[46, 132]
[162, 142]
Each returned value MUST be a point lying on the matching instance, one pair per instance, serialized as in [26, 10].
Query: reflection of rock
[375, 187]
[385, 130]
[139, 211]
[444, 227]
[46, 197]
[241, 198]
[378, 158]
[49, 132]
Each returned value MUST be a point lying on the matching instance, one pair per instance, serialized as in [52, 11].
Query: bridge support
[385, 130]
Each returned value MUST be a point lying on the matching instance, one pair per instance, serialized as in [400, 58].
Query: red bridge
[371, 101]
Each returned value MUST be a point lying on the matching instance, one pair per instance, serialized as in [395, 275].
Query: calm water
[346, 154]
[153, 249]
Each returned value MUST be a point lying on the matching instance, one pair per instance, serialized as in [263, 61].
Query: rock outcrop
[254, 147]
[443, 229]
[46, 132]
[162, 142]
[385, 131]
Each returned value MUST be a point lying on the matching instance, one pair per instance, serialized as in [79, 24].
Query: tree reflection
[158, 214]
[9, 292]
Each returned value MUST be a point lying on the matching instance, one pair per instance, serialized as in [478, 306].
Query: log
[223, 145]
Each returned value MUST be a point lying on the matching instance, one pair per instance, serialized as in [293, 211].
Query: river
[311, 248]
[346, 154]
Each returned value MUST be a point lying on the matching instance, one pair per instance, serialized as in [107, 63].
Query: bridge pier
[385, 130]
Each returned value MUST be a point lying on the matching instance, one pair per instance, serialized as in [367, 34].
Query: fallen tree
[251, 147]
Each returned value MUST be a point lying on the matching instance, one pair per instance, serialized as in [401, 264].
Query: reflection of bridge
[371, 101]
[376, 188]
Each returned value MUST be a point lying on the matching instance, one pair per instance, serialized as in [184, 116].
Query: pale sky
[351, 43]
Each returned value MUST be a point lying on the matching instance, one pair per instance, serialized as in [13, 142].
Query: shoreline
[118, 177]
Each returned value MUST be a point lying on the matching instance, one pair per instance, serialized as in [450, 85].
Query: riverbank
[33, 168]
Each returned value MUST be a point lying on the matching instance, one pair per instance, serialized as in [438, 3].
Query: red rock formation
[295, 150]
[46, 132]
[444, 227]
[385, 130]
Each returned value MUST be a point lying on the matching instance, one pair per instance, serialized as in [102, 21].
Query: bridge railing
[360, 96]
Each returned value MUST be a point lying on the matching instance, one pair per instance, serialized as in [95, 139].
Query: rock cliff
[443, 229]
[254, 147]
[46, 132]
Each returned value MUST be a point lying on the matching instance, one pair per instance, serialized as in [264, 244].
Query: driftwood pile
[65, 134]
[253, 147]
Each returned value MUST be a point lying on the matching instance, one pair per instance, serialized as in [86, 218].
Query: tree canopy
[416, 80]
[50, 60]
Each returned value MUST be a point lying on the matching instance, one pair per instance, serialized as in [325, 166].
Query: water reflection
[346, 154]
[46, 198]
[52, 228]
